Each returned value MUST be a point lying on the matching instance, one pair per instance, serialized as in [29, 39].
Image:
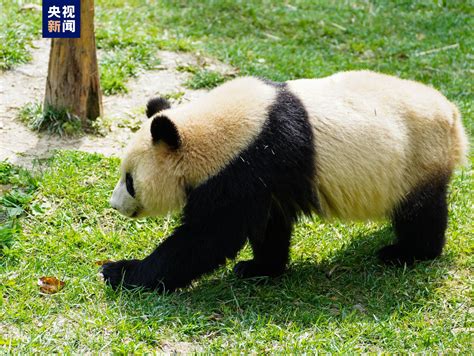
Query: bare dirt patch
[26, 83]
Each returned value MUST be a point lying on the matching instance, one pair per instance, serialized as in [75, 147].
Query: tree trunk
[73, 75]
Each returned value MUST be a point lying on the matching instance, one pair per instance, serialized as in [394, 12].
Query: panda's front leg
[271, 249]
[184, 256]
[127, 273]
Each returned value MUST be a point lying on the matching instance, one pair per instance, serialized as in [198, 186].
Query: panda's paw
[396, 255]
[251, 269]
[121, 273]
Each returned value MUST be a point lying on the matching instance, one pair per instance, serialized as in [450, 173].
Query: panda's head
[151, 182]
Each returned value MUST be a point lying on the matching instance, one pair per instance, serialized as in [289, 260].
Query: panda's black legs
[420, 224]
[188, 253]
[270, 250]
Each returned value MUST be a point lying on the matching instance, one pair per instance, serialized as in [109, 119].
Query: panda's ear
[156, 105]
[164, 130]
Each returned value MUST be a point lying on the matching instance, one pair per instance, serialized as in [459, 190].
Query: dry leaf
[50, 285]
[102, 262]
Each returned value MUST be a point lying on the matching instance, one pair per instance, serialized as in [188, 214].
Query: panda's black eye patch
[129, 184]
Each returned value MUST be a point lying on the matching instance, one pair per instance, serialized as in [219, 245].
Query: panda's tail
[460, 142]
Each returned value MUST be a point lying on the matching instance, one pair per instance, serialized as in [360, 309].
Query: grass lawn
[336, 296]
[277, 39]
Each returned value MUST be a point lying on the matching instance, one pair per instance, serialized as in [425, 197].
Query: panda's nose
[114, 200]
[113, 203]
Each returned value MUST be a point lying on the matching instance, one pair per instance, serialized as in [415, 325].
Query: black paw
[121, 273]
[396, 255]
[250, 269]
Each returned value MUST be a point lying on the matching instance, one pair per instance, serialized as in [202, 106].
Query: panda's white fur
[251, 155]
[377, 138]
[213, 130]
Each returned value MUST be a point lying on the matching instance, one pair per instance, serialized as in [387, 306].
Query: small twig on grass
[434, 50]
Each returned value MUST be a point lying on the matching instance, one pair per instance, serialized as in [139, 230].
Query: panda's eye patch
[129, 184]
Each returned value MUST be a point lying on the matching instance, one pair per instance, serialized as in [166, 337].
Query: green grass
[59, 223]
[16, 193]
[53, 121]
[281, 40]
[119, 64]
[336, 296]
[202, 78]
[277, 39]
[205, 79]
[18, 27]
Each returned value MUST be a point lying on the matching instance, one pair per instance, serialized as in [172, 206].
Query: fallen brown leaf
[50, 285]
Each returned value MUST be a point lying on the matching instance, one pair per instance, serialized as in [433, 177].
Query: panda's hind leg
[420, 224]
[270, 249]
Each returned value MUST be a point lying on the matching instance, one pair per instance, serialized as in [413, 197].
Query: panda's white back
[377, 137]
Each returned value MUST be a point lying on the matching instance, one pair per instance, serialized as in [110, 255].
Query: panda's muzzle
[134, 214]
[123, 202]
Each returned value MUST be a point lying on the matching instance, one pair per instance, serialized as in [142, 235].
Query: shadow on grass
[350, 284]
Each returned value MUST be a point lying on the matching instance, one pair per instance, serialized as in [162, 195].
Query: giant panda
[245, 160]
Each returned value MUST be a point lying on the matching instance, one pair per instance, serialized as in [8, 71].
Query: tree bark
[73, 74]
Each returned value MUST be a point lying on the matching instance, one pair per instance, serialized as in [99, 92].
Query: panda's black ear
[164, 130]
[156, 105]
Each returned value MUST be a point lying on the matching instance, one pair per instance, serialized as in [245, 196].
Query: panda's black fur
[156, 105]
[419, 222]
[257, 197]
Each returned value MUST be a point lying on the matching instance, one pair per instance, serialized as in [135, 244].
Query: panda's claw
[119, 273]
[396, 255]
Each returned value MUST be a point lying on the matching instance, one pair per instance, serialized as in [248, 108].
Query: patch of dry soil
[26, 83]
